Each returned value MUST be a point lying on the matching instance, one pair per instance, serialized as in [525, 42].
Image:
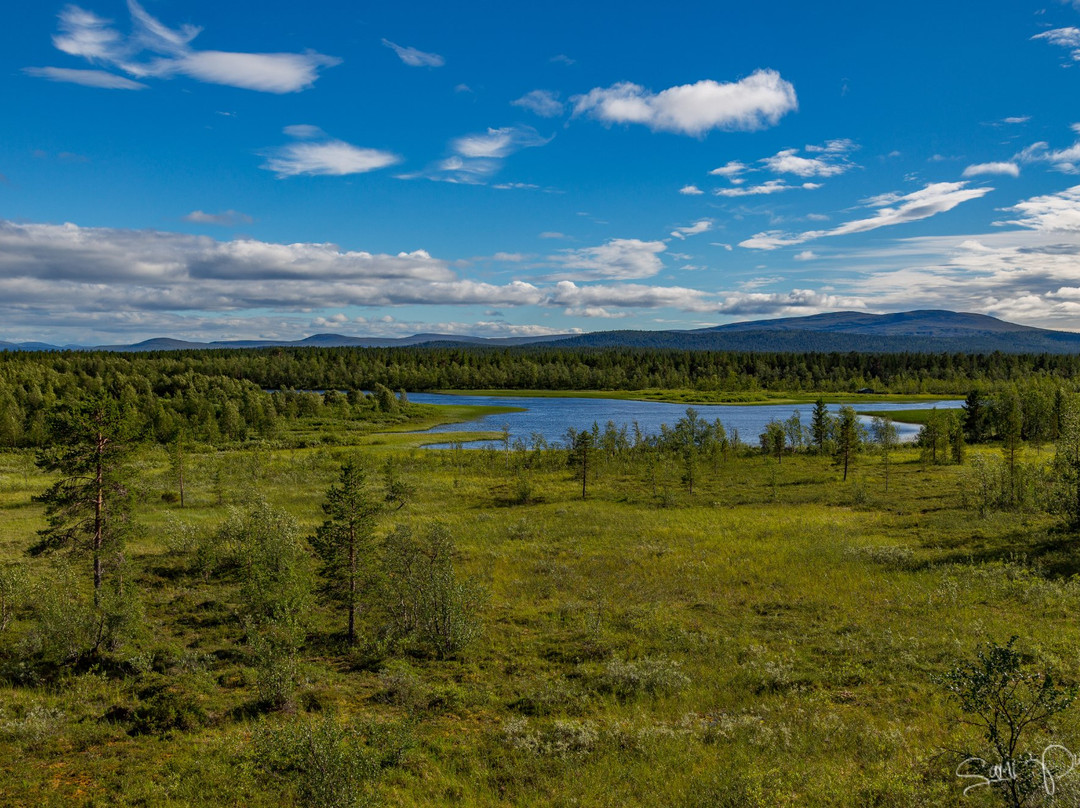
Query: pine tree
[344, 541]
[88, 508]
[821, 425]
[848, 437]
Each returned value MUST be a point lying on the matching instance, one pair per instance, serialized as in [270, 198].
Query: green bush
[331, 764]
[168, 711]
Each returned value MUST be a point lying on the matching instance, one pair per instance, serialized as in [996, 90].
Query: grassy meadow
[773, 639]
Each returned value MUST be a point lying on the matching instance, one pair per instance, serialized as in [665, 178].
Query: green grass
[902, 416]
[795, 624]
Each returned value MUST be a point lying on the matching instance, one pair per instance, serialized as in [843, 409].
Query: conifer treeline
[220, 394]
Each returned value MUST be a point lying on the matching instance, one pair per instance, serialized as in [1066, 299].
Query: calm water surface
[550, 417]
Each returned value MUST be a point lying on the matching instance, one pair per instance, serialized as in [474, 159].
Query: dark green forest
[222, 395]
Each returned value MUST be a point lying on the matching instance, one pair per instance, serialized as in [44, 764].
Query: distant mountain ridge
[921, 331]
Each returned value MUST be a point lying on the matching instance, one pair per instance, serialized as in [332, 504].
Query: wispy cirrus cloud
[413, 57]
[830, 160]
[892, 209]
[766, 188]
[316, 154]
[1068, 38]
[227, 218]
[87, 78]
[476, 157]
[700, 226]
[1064, 160]
[755, 102]
[154, 50]
[544, 103]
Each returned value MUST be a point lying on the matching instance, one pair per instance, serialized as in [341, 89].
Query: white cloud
[477, 157]
[617, 259]
[631, 295]
[983, 169]
[1017, 119]
[700, 226]
[66, 276]
[498, 143]
[87, 78]
[415, 58]
[157, 51]
[263, 72]
[755, 102]
[780, 304]
[841, 145]
[552, 234]
[768, 187]
[303, 130]
[544, 103]
[806, 255]
[1058, 212]
[691, 190]
[830, 164]
[1063, 38]
[1066, 160]
[227, 218]
[733, 168]
[324, 158]
[563, 59]
[893, 209]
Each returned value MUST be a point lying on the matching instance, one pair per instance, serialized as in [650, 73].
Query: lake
[550, 417]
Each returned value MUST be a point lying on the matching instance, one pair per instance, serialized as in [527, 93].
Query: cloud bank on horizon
[236, 180]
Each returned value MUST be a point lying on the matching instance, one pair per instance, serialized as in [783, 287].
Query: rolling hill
[922, 331]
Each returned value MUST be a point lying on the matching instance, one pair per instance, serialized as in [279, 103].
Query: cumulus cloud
[544, 103]
[691, 190]
[700, 226]
[227, 218]
[153, 50]
[768, 187]
[893, 209]
[617, 259]
[982, 169]
[630, 295]
[139, 279]
[755, 102]
[806, 255]
[780, 304]
[415, 58]
[325, 157]
[87, 78]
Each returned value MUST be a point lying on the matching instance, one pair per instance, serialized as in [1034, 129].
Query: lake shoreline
[698, 397]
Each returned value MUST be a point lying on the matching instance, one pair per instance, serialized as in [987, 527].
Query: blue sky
[225, 170]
